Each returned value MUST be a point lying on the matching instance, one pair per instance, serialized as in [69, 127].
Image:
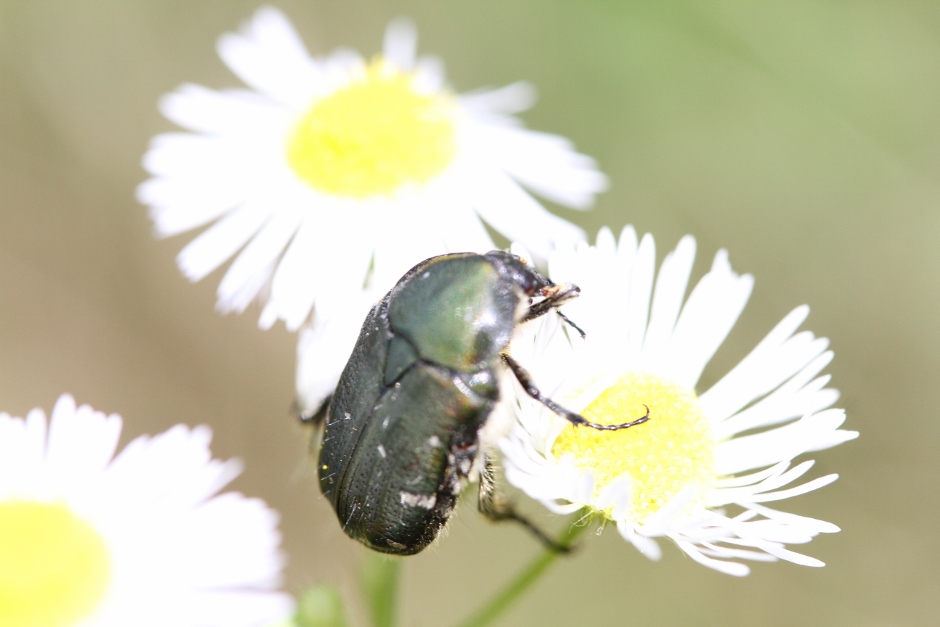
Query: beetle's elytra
[402, 433]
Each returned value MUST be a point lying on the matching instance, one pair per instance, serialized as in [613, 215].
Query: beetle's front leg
[525, 379]
[496, 508]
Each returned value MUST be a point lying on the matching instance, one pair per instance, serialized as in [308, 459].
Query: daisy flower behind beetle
[143, 539]
[330, 175]
[703, 467]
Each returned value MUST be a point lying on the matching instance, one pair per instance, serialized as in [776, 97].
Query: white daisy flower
[335, 174]
[92, 540]
[733, 445]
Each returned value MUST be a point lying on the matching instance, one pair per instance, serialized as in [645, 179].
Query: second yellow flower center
[675, 449]
[54, 567]
[373, 136]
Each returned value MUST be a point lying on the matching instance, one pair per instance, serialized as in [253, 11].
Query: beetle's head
[558, 295]
[544, 295]
[520, 272]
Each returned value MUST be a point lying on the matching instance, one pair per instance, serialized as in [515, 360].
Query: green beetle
[402, 433]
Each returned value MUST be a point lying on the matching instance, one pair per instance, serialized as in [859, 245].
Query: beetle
[403, 427]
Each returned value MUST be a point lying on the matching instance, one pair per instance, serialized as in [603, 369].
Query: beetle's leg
[497, 509]
[525, 379]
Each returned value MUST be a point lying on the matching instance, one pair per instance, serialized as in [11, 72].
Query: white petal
[401, 43]
[769, 447]
[220, 241]
[268, 55]
[671, 284]
[780, 495]
[639, 290]
[706, 319]
[323, 348]
[81, 442]
[228, 112]
[791, 400]
[254, 264]
[192, 157]
[515, 214]
[648, 547]
[780, 478]
[320, 266]
[775, 359]
[729, 568]
[751, 479]
[778, 551]
[177, 206]
[429, 74]
[814, 525]
[513, 98]
[713, 550]
[545, 163]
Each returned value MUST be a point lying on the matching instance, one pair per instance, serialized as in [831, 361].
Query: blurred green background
[803, 136]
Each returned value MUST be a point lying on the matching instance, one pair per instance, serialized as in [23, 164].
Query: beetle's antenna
[572, 324]
[525, 379]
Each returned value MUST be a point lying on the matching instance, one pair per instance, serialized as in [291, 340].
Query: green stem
[378, 581]
[502, 601]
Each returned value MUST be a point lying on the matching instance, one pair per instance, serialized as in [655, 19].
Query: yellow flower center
[675, 449]
[373, 136]
[54, 567]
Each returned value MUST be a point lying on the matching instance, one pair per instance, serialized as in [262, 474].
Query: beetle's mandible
[402, 432]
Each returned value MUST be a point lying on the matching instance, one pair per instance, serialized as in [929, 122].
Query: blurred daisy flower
[673, 476]
[141, 539]
[332, 175]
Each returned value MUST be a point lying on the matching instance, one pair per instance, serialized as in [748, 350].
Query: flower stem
[502, 601]
[378, 583]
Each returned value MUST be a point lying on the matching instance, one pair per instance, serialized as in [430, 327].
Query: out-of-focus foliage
[803, 136]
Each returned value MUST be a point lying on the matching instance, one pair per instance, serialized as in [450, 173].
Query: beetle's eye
[528, 283]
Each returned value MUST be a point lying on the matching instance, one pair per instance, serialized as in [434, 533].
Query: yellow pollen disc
[372, 136]
[54, 567]
[673, 450]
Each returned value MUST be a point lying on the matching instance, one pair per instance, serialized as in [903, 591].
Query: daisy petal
[508, 209]
[777, 358]
[229, 112]
[671, 285]
[401, 43]
[513, 98]
[220, 241]
[429, 74]
[261, 253]
[706, 319]
[729, 568]
[548, 165]
[812, 432]
[269, 56]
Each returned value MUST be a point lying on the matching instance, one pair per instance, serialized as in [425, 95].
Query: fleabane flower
[93, 540]
[702, 468]
[333, 175]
